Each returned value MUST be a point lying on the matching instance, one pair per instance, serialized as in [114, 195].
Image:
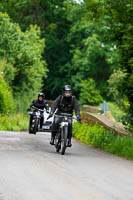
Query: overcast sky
[78, 1]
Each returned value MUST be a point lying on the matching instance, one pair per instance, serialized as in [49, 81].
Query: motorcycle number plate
[46, 127]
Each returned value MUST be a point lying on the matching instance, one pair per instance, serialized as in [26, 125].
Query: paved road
[31, 170]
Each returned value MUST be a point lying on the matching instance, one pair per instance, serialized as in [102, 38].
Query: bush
[116, 111]
[6, 98]
[24, 68]
[121, 116]
[14, 122]
[115, 82]
[95, 135]
[128, 121]
[89, 94]
[99, 137]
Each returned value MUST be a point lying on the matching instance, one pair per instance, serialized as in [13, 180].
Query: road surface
[30, 169]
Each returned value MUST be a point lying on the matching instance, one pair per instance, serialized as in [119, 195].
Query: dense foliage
[6, 98]
[89, 94]
[84, 41]
[21, 64]
[14, 122]
[74, 45]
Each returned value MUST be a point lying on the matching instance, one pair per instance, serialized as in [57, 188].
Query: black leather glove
[50, 115]
[79, 119]
[28, 109]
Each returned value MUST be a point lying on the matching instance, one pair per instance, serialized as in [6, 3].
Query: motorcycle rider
[41, 104]
[65, 103]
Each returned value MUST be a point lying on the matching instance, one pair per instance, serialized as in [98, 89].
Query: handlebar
[66, 115]
[37, 108]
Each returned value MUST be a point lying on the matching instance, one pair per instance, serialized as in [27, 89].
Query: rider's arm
[32, 104]
[76, 108]
[46, 106]
[55, 104]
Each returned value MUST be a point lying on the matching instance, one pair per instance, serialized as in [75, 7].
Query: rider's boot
[52, 141]
[69, 144]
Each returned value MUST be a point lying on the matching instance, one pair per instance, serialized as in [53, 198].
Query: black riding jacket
[39, 104]
[66, 105]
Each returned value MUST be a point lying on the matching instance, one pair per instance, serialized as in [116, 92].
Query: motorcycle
[61, 138]
[34, 126]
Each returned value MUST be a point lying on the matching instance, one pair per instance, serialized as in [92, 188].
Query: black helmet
[41, 94]
[67, 88]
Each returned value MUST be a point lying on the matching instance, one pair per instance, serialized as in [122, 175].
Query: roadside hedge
[15, 122]
[98, 137]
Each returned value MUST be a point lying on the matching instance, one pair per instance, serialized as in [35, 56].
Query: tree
[21, 51]
[89, 94]
[116, 81]
[50, 16]
[6, 98]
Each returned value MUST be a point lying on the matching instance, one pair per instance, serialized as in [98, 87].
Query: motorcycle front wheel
[57, 142]
[30, 128]
[35, 129]
[64, 136]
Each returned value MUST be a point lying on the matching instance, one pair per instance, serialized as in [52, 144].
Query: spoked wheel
[58, 147]
[30, 128]
[35, 129]
[57, 143]
[64, 140]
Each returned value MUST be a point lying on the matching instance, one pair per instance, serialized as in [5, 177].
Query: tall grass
[15, 122]
[97, 136]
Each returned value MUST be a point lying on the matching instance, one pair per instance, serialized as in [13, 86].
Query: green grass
[15, 122]
[98, 137]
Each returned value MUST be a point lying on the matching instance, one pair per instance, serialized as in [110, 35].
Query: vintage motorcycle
[36, 114]
[61, 138]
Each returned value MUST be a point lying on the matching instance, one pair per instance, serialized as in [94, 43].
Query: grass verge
[98, 137]
[15, 122]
